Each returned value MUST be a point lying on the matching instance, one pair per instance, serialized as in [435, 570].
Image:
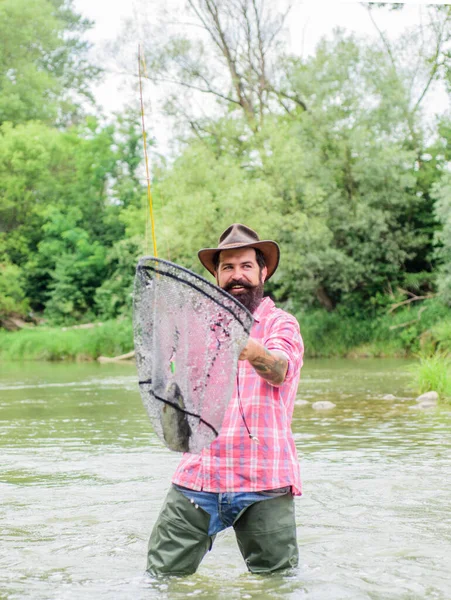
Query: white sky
[308, 22]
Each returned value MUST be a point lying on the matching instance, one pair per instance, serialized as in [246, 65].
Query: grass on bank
[47, 343]
[407, 332]
[433, 373]
[417, 331]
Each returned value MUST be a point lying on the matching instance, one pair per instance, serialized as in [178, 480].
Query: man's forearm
[270, 365]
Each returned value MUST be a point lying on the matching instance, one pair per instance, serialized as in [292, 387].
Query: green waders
[265, 532]
[266, 535]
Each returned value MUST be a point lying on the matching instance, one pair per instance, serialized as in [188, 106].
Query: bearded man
[247, 477]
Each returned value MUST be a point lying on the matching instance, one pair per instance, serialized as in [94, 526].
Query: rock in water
[176, 429]
[428, 397]
[323, 405]
[302, 402]
[424, 405]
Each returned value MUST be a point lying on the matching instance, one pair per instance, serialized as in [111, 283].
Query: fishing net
[188, 334]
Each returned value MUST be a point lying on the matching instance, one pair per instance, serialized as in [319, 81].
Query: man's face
[239, 274]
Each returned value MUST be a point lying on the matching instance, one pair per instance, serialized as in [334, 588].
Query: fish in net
[188, 336]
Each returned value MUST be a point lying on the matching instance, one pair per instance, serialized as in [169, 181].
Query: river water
[82, 479]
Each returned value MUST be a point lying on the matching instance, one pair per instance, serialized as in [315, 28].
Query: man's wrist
[271, 366]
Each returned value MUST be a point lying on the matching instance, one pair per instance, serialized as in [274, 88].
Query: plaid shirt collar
[262, 309]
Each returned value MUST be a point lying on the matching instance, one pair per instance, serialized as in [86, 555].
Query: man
[249, 474]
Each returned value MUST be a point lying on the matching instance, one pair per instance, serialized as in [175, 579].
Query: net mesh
[188, 336]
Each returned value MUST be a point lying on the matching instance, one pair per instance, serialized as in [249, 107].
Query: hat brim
[269, 249]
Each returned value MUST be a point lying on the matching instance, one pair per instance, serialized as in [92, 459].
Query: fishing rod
[142, 66]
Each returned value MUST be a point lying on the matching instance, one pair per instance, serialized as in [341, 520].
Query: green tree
[53, 183]
[12, 297]
[338, 142]
[113, 297]
[336, 184]
[232, 62]
[76, 264]
[44, 71]
[65, 179]
[442, 192]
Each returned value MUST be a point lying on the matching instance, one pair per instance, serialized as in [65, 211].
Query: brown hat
[240, 236]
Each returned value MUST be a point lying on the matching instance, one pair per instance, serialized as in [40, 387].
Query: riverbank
[111, 338]
[422, 334]
[408, 332]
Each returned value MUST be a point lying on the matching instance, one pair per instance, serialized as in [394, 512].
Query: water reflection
[82, 479]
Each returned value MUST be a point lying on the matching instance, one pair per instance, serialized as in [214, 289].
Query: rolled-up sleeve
[285, 337]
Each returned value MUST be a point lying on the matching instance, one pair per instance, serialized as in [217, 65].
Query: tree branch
[193, 87]
[227, 53]
[407, 114]
[422, 309]
[436, 63]
[413, 299]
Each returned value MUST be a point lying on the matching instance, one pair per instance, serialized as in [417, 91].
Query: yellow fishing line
[142, 64]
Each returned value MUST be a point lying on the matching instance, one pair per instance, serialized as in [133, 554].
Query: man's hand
[272, 366]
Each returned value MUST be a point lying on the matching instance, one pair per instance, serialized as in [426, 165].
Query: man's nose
[237, 273]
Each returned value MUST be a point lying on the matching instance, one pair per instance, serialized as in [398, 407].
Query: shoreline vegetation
[410, 332]
[422, 332]
[46, 343]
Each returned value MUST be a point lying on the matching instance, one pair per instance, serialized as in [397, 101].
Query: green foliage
[328, 334]
[441, 335]
[41, 343]
[408, 330]
[442, 192]
[327, 155]
[12, 296]
[114, 297]
[61, 197]
[29, 155]
[74, 280]
[338, 185]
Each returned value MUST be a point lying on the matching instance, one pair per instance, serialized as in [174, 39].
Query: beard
[250, 297]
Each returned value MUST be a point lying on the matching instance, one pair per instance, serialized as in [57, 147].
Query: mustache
[239, 282]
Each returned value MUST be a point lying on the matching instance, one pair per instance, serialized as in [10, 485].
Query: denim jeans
[225, 508]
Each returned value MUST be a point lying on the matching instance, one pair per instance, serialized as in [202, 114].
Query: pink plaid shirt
[233, 462]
